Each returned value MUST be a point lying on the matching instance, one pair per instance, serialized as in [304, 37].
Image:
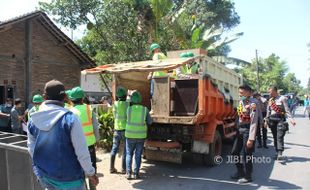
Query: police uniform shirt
[281, 103]
[253, 113]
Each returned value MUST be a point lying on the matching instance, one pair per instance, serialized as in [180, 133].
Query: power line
[257, 72]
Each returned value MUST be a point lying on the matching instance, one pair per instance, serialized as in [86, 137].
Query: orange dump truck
[189, 115]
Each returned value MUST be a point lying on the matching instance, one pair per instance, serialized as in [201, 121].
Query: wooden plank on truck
[161, 96]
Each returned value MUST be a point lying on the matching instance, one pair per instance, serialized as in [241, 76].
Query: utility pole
[257, 72]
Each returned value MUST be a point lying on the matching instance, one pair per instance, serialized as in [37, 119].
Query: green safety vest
[120, 116]
[159, 56]
[32, 110]
[136, 125]
[84, 112]
[159, 74]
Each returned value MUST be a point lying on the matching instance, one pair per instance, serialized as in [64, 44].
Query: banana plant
[230, 61]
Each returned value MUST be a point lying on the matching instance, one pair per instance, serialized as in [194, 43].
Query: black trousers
[243, 154]
[260, 130]
[278, 134]
[92, 152]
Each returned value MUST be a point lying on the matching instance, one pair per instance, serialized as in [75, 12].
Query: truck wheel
[198, 158]
[215, 149]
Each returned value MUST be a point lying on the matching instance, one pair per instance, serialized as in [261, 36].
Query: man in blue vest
[138, 118]
[120, 107]
[57, 144]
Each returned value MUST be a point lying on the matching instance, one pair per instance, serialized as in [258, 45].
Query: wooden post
[28, 61]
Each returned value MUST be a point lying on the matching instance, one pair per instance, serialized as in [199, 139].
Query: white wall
[91, 83]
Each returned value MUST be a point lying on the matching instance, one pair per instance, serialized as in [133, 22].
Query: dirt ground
[111, 181]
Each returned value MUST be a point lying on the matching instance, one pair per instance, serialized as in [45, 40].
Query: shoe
[112, 168]
[113, 171]
[237, 175]
[98, 159]
[245, 180]
[123, 171]
[265, 145]
[128, 176]
[136, 176]
[280, 156]
[259, 146]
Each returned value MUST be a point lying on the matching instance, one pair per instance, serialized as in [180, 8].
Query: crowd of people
[60, 122]
[63, 123]
[255, 115]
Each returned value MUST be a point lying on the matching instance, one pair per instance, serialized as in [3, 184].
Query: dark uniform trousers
[278, 130]
[262, 129]
[92, 152]
[239, 147]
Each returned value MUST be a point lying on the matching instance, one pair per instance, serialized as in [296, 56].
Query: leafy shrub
[106, 125]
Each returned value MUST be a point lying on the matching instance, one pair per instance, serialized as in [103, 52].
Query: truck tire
[215, 149]
[198, 158]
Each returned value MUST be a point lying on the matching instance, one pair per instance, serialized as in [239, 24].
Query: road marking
[213, 180]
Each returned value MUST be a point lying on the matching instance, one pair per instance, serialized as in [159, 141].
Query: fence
[15, 164]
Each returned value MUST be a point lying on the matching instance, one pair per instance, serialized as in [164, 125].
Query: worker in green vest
[138, 118]
[188, 70]
[68, 102]
[120, 107]
[36, 101]
[89, 123]
[157, 55]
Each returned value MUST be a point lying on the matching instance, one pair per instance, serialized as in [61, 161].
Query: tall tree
[122, 30]
[272, 69]
[291, 83]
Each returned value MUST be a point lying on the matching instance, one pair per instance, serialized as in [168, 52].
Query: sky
[270, 26]
[275, 26]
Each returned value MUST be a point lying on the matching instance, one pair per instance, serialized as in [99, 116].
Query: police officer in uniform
[277, 110]
[245, 138]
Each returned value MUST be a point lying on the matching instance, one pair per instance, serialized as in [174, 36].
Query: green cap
[76, 93]
[154, 46]
[121, 91]
[136, 97]
[190, 54]
[183, 55]
[37, 98]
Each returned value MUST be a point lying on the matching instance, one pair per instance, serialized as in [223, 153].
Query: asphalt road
[293, 173]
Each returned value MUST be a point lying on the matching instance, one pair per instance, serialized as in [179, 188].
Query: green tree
[122, 30]
[272, 72]
[291, 83]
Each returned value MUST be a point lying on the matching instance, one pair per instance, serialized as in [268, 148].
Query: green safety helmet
[76, 93]
[190, 54]
[136, 97]
[121, 92]
[68, 93]
[37, 98]
[183, 55]
[154, 46]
